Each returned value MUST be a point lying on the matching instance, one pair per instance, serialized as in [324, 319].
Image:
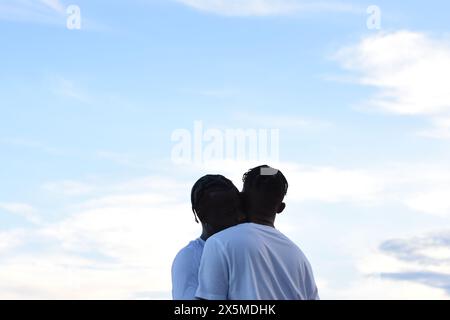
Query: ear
[281, 207]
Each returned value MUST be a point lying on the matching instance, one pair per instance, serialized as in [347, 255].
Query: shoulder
[188, 254]
[294, 250]
[223, 241]
[229, 234]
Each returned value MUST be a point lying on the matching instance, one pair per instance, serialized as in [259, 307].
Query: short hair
[264, 178]
[209, 182]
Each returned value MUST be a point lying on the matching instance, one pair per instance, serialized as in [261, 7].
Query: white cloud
[56, 5]
[280, 121]
[68, 89]
[117, 245]
[11, 239]
[416, 261]
[68, 187]
[32, 144]
[21, 209]
[411, 71]
[264, 7]
[440, 130]
[374, 288]
[329, 184]
[41, 11]
[65, 276]
[120, 158]
[436, 202]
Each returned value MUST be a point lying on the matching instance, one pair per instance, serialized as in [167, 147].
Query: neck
[205, 233]
[266, 220]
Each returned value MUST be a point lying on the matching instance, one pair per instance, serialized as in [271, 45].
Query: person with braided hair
[216, 203]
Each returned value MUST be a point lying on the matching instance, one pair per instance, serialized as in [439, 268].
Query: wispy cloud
[56, 5]
[217, 93]
[440, 129]
[68, 89]
[265, 7]
[432, 279]
[435, 201]
[109, 247]
[68, 188]
[21, 209]
[411, 80]
[280, 121]
[424, 260]
[41, 11]
[11, 239]
[31, 144]
[421, 250]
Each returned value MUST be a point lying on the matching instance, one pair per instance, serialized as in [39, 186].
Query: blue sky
[90, 193]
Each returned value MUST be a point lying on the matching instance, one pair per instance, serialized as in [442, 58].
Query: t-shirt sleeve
[311, 288]
[213, 272]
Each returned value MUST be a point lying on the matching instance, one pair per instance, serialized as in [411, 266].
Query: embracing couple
[240, 255]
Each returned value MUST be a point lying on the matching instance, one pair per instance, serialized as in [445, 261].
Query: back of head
[264, 190]
[216, 202]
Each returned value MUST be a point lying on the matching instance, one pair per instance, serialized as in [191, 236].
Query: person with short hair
[253, 260]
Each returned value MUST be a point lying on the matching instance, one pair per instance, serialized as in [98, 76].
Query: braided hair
[205, 183]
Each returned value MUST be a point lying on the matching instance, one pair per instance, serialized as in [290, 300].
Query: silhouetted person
[216, 202]
[254, 260]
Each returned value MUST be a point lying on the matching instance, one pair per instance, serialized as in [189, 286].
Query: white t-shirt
[185, 270]
[254, 262]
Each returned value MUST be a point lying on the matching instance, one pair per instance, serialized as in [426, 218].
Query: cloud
[409, 70]
[122, 159]
[66, 276]
[56, 5]
[423, 260]
[411, 78]
[432, 279]
[371, 288]
[280, 121]
[33, 145]
[440, 130]
[217, 93]
[21, 209]
[68, 188]
[68, 89]
[329, 184]
[420, 249]
[112, 245]
[264, 7]
[42, 11]
[11, 239]
[405, 268]
[436, 202]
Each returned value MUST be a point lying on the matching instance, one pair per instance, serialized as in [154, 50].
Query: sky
[98, 100]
